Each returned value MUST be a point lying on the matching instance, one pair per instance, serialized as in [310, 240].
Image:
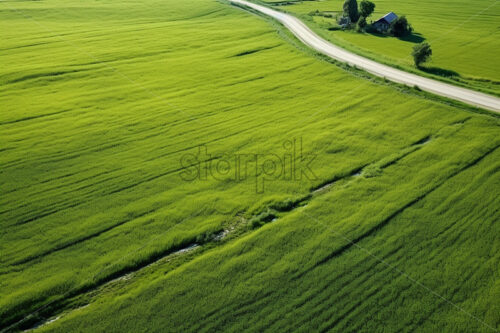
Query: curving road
[308, 37]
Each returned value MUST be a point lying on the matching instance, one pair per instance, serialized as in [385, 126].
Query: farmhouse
[383, 24]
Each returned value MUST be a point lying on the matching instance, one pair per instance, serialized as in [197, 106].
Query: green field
[104, 105]
[464, 36]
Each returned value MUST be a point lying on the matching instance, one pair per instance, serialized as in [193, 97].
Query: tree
[400, 27]
[351, 10]
[366, 8]
[421, 53]
[361, 23]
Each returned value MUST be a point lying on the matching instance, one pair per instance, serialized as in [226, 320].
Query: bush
[366, 8]
[261, 219]
[351, 10]
[400, 27]
[284, 206]
[421, 53]
[344, 21]
[254, 224]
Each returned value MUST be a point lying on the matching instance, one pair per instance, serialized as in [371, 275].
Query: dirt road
[308, 37]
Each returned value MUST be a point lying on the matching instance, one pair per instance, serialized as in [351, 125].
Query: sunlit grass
[100, 102]
[463, 35]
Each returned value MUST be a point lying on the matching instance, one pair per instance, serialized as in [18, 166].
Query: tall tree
[351, 10]
[366, 8]
[361, 24]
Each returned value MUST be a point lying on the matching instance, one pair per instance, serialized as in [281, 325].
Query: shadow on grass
[440, 71]
[412, 38]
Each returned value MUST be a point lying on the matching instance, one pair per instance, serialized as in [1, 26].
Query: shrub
[262, 218]
[400, 27]
[284, 206]
[366, 8]
[254, 224]
[344, 21]
[351, 10]
[421, 53]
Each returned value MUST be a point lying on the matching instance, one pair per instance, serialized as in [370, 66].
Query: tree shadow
[440, 71]
[413, 38]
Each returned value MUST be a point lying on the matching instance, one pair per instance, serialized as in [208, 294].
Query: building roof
[389, 18]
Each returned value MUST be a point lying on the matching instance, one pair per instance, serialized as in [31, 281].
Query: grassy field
[463, 34]
[105, 103]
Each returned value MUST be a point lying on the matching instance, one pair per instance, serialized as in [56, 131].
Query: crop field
[189, 166]
[463, 35]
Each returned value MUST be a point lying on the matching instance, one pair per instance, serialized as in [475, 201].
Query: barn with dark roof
[383, 24]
